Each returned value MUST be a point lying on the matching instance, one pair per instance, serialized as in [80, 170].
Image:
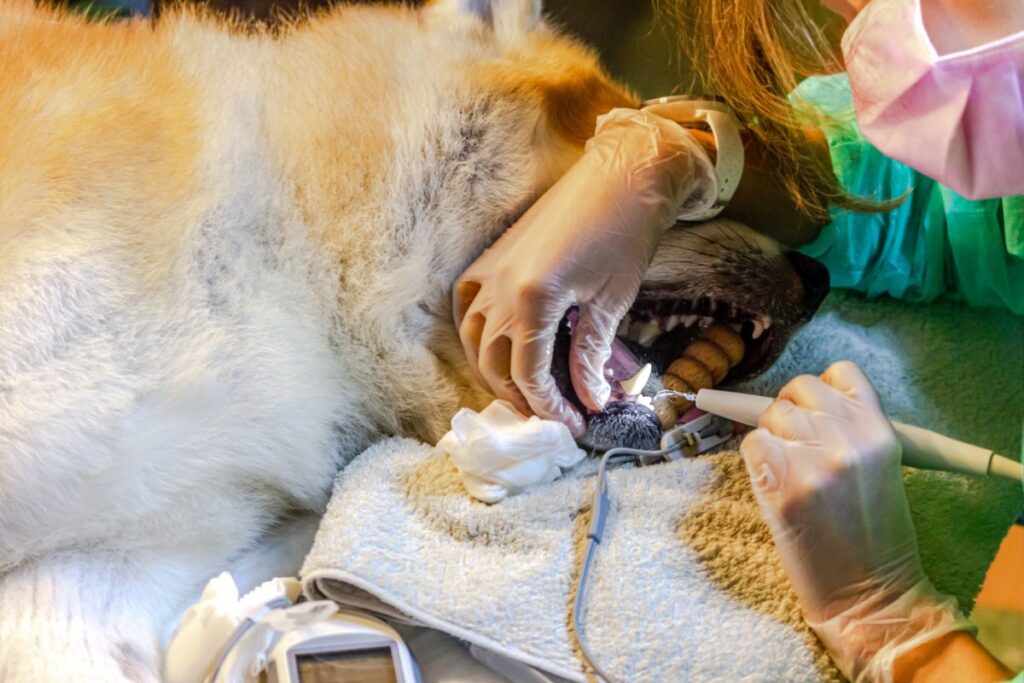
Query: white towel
[686, 585]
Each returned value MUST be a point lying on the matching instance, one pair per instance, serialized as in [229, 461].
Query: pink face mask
[958, 118]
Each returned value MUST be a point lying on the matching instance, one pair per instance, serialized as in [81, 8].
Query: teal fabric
[934, 244]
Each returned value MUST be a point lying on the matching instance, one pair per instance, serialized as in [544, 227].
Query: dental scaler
[922, 449]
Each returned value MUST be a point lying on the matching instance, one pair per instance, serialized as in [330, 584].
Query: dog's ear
[510, 19]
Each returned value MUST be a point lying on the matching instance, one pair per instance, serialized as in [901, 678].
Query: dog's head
[716, 273]
[720, 271]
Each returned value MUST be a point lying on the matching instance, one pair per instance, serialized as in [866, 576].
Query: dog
[226, 261]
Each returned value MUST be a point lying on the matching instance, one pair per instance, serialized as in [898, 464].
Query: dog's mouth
[668, 317]
[659, 329]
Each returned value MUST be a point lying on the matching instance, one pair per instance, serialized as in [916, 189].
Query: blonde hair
[753, 53]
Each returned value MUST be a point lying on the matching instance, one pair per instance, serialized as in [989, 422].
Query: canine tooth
[671, 322]
[635, 384]
[767, 322]
[758, 329]
[688, 320]
[648, 333]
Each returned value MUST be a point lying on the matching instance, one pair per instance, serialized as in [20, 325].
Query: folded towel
[686, 585]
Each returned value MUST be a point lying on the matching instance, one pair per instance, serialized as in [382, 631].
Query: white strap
[729, 159]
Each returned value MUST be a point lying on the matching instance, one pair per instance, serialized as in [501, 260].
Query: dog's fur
[225, 269]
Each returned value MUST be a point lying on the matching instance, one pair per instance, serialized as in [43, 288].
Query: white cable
[599, 509]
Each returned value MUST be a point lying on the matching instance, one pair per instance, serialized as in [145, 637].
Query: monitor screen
[350, 666]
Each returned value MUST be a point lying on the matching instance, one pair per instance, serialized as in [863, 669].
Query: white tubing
[743, 408]
[922, 449]
[1003, 466]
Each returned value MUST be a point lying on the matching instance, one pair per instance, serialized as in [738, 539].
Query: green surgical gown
[935, 244]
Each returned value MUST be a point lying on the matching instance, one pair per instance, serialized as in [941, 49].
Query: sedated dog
[226, 260]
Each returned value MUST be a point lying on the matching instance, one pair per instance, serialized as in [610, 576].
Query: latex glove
[586, 242]
[207, 626]
[203, 632]
[825, 467]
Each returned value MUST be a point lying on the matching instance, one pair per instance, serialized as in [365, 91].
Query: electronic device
[273, 635]
[349, 647]
[922, 448]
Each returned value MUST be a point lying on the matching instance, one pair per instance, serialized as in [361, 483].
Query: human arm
[956, 656]
[825, 468]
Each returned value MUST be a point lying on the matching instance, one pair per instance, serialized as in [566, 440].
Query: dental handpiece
[922, 449]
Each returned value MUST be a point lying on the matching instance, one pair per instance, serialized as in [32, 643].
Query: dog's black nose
[815, 278]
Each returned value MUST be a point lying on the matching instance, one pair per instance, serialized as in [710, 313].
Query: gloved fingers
[531, 372]
[463, 294]
[812, 393]
[845, 376]
[495, 364]
[789, 422]
[591, 348]
[471, 332]
[765, 457]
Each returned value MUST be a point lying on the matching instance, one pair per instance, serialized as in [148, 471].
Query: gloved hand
[825, 467]
[586, 242]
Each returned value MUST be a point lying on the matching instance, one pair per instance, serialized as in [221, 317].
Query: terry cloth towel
[686, 584]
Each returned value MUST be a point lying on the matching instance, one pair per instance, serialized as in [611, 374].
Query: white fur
[181, 370]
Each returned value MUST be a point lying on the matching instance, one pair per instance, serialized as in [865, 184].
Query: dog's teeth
[623, 327]
[635, 384]
[712, 304]
[761, 323]
[634, 331]
[688, 320]
[648, 333]
[671, 322]
[706, 320]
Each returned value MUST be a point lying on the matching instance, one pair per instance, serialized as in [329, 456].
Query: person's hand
[825, 468]
[586, 242]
